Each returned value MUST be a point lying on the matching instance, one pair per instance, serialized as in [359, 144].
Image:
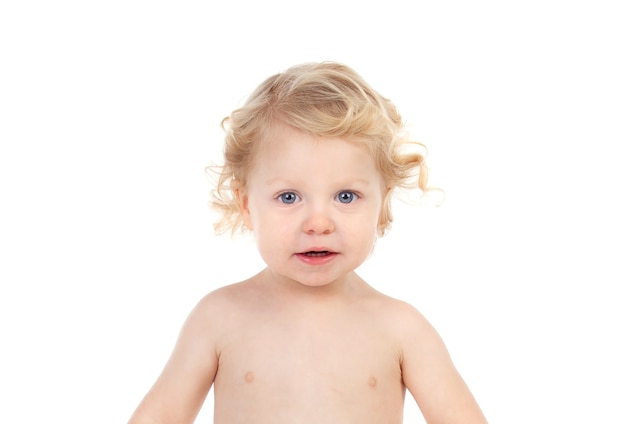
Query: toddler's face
[313, 206]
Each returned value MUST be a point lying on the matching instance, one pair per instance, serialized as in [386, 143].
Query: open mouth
[317, 254]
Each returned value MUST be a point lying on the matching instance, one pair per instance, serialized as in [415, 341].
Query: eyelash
[282, 197]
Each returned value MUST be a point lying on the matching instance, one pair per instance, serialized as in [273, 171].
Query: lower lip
[316, 260]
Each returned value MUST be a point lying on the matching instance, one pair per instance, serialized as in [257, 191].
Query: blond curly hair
[324, 99]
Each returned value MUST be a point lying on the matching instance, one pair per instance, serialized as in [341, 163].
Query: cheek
[268, 227]
[273, 242]
[365, 227]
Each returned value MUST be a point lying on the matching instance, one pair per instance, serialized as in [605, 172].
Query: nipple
[249, 377]
[372, 382]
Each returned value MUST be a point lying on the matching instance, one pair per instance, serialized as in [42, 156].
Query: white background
[110, 111]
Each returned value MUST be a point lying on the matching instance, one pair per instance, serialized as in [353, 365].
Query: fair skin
[307, 340]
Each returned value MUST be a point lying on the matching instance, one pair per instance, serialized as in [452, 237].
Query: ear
[385, 217]
[244, 207]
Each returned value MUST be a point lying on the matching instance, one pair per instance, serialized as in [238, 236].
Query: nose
[318, 221]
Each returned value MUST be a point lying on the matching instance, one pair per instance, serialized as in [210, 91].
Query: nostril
[318, 225]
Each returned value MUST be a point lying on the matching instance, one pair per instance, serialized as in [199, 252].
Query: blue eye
[346, 197]
[288, 197]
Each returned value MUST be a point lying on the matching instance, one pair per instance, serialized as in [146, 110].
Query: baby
[311, 162]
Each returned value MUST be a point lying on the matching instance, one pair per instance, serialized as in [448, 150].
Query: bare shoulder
[178, 393]
[224, 305]
[223, 298]
[421, 344]
[233, 296]
[403, 319]
[427, 368]
[188, 375]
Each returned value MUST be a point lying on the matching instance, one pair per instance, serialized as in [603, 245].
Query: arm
[180, 390]
[432, 379]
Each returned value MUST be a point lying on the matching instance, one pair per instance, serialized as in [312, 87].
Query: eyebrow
[288, 182]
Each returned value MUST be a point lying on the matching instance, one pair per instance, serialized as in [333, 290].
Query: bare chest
[319, 370]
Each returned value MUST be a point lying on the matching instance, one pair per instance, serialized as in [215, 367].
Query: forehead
[286, 151]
